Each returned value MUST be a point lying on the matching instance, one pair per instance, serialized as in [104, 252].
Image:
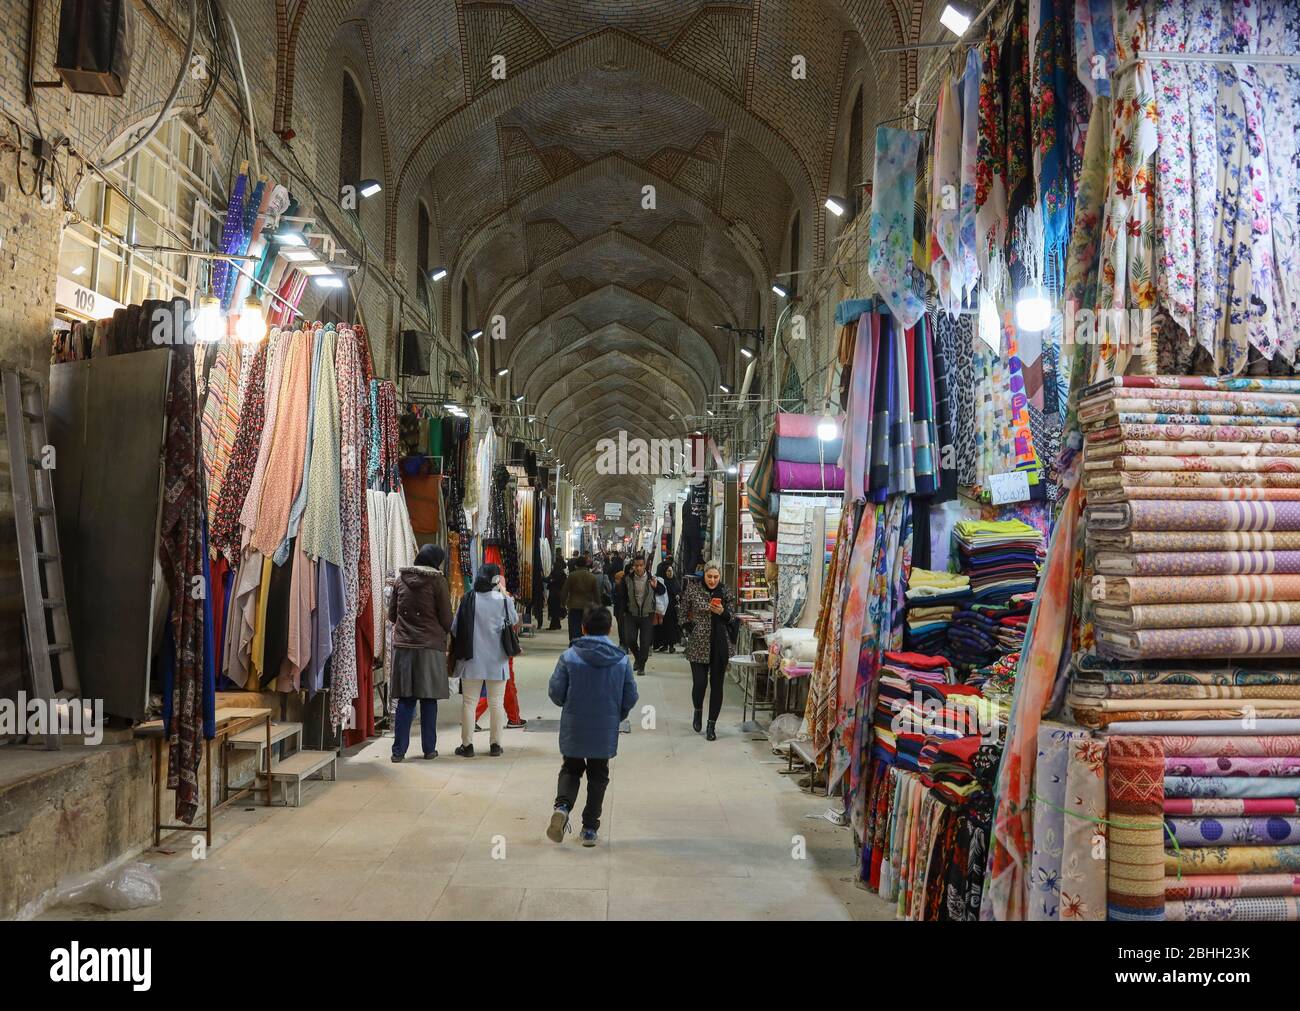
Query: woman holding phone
[709, 607]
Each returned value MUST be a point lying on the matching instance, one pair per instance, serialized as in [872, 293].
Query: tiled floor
[691, 829]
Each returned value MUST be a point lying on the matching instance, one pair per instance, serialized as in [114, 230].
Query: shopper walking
[481, 659]
[594, 686]
[555, 598]
[581, 591]
[620, 611]
[420, 609]
[637, 596]
[709, 608]
[668, 632]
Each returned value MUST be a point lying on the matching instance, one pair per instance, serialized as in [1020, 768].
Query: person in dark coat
[595, 688]
[580, 592]
[555, 600]
[668, 633]
[419, 605]
[710, 608]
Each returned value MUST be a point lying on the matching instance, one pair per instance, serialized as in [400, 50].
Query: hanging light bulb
[827, 430]
[252, 324]
[208, 328]
[1033, 309]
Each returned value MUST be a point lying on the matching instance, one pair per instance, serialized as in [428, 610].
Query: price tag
[1009, 487]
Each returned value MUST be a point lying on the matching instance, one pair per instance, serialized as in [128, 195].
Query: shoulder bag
[509, 637]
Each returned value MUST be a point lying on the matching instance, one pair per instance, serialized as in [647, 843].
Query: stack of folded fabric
[1001, 557]
[1204, 776]
[982, 633]
[932, 599]
[803, 461]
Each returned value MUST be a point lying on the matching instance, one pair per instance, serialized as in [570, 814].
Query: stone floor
[691, 830]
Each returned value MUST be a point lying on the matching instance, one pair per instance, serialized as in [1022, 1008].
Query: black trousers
[711, 676]
[597, 770]
[619, 615]
[639, 634]
[575, 625]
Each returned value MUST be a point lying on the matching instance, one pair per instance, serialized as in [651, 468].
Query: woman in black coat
[668, 633]
[555, 585]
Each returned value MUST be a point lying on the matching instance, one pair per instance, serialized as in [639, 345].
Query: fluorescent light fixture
[747, 353]
[297, 254]
[956, 18]
[519, 399]
[782, 292]
[252, 324]
[437, 273]
[475, 334]
[1033, 309]
[724, 387]
[288, 237]
[369, 187]
[208, 326]
[708, 412]
[827, 430]
[501, 372]
[329, 281]
[315, 269]
[835, 206]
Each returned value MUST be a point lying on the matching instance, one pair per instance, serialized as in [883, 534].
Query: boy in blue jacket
[594, 685]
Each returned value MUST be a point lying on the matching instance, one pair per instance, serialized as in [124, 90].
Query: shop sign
[82, 300]
[589, 518]
[1010, 487]
[613, 510]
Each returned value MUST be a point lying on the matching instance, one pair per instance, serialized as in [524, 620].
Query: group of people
[594, 681]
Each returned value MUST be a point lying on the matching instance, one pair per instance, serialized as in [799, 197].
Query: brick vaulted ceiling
[537, 180]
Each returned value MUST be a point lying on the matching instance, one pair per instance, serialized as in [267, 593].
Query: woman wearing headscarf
[710, 608]
[555, 584]
[668, 632]
[420, 609]
[480, 657]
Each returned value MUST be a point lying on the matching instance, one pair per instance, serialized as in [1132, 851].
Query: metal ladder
[48, 643]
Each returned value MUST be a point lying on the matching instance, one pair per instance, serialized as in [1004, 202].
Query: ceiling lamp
[369, 187]
[835, 206]
[519, 399]
[724, 387]
[746, 352]
[329, 281]
[288, 237]
[501, 372]
[315, 269]
[474, 334]
[208, 326]
[437, 273]
[1033, 309]
[252, 324]
[298, 254]
[956, 17]
[781, 292]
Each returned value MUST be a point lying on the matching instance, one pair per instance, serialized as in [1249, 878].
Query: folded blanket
[1263, 612]
[1232, 859]
[1194, 589]
[1240, 766]
[1248, 909]
[1262, 640]
[1227, 886]
[1196, 516]
[1275, 830]
[1231, 786]
[807, 476]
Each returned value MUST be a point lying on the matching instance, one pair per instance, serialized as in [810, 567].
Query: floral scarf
[890, 261]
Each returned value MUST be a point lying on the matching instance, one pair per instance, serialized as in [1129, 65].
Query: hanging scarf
[1094, 45]
[224, 536]
[945, 197]
[990, 172]
[857, 433]
[1052, 131]
[890, 261]
[1014, 79]
[966, 267]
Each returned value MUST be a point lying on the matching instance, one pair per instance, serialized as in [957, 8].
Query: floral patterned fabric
[890, 261]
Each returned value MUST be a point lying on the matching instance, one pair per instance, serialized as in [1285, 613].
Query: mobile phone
[716, 600]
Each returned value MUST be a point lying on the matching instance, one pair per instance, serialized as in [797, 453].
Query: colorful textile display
[1134, 801]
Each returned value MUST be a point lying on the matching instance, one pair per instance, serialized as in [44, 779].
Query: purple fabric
[807, 476]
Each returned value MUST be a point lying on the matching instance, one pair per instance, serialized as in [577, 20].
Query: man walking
[594, 686]
[580, 592]
[637, 594]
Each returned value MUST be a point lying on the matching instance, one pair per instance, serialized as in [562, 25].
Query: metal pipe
[248, 98]
[165, 111]
[197, 253]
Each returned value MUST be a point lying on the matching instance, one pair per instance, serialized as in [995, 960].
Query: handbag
[509, 637]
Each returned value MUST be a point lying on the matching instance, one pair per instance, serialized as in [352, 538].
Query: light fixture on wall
[502, 372]
[835, 205]
[956, 17]
[781, 292]
[208, 326]
[437, 273]
[474, 334]
[288, 237]
[252, 324]
[369, 187]
[1033, 309]
[298, 254]
[519, 399]
[746, 352]
[724, 387]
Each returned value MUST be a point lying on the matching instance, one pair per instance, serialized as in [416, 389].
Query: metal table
[759, 688]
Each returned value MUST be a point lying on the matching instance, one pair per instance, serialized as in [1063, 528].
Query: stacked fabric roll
[1001, 557]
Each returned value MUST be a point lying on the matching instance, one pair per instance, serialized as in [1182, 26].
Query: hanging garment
[321, 532]
[299, 505]
[278, 344]
[890, 261]
[243, 458]
[283, 473]
[945, 192]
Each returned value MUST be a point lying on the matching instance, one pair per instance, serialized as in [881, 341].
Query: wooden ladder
[40, 565]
